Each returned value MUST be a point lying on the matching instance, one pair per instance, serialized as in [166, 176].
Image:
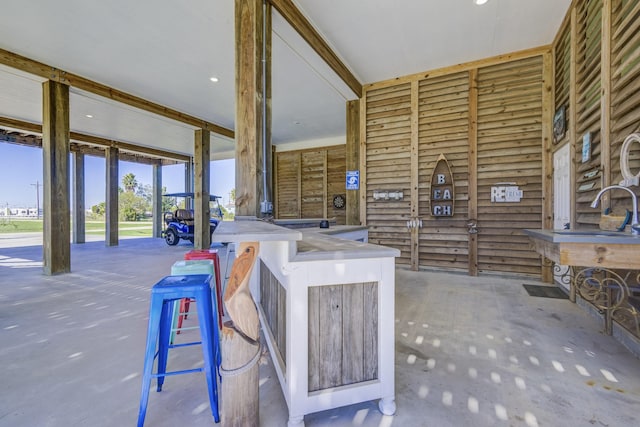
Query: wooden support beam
[55, 150]
[573, 114]
[188, 183]
[269, 148]
[22, 63]
[94, 140]
[157, 200]
[467, 66]
[547, 153]
[78, 234]
[297, 20]
[20, 124]
[473, 170]
[202, 235]
[605, 98]
[123, 146]
[363, 160]
[111, 210]
[325, 185]
[353, 160]
[21, 139]
[249, 108]
[414, 178]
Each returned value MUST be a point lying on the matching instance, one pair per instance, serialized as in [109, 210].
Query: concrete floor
[469, 351]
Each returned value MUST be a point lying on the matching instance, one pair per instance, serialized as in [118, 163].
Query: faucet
[635, 227]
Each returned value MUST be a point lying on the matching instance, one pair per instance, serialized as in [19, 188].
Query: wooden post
[78, 198]
[325, 185]
[240, 346]
[202, 235]
[157, 200]
[605, 98]
[363, 160]
[111, 213]
[353, 160]
[473, 172]
[188, 183]
[547, 155]
[268, 148]
[55, 151]
[415, 171]
[249, 108]
[573, 115]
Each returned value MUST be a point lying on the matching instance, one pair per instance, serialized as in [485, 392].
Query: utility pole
[37, 185]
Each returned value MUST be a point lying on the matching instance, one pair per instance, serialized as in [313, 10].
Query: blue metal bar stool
[163, 294]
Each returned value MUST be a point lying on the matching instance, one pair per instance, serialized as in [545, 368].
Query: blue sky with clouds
[21, 170]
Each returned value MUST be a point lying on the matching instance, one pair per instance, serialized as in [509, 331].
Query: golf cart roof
[212, 197]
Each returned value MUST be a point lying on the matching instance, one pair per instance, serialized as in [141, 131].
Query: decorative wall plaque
[442, 189]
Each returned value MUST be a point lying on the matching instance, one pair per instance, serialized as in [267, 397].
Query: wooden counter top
[588, 248]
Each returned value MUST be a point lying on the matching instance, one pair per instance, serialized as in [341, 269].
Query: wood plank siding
[443, 129]
[343, 330]
[625, 91]
[274, 307]
[388, 166]
[491, 119]
[490, 133]
[509, 150]
[308, 180]
[589, 175]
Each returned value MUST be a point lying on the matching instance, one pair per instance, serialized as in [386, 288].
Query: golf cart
[179, 224]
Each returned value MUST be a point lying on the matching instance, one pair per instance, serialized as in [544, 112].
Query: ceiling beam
[297, 20]
[95, 140]
[30, 66]
[30, 140]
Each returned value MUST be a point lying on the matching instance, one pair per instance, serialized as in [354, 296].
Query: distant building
[20, 212]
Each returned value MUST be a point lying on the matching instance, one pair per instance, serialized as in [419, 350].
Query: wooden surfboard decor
[442, 189]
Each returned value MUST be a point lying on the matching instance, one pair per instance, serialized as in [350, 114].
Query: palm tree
[129, 182]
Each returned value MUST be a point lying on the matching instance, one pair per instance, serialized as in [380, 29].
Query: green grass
[12, 225]
[125, 228]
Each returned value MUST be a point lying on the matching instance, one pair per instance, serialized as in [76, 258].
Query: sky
[21, 175]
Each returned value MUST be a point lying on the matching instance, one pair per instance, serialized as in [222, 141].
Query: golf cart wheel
[171, 237]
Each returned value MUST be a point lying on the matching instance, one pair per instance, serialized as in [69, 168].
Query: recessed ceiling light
[480, 2]
[89, 116]
[214, 79]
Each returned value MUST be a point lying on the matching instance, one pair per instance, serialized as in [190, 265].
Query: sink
[588, 248]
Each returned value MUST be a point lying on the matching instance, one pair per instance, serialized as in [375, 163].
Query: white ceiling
[165, 51]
